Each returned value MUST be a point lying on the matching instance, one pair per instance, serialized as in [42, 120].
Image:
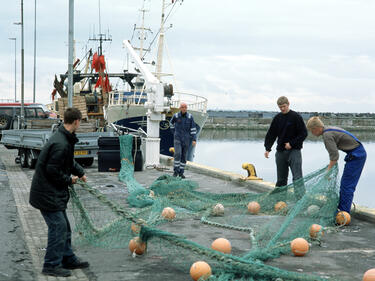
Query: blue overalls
[184, 130]
[355, 160]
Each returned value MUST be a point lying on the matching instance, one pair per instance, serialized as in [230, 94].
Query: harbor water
[228, 149]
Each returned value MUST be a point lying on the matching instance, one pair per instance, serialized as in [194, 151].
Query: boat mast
[159, 60]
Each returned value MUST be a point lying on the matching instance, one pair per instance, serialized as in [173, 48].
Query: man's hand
[266, 154]
[288, 146]
[74, 179]
[83, 178]
[193, 143]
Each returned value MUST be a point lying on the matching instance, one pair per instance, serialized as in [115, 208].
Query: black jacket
[49, 187]
[288, 127]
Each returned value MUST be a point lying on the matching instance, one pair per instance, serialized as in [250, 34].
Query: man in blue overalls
[183, 127]
[334, 139]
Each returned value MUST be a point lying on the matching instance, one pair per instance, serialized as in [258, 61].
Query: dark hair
[72, 114]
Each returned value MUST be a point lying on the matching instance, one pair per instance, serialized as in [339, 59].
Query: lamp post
[15, 67]
[22, 65]
[34, 51]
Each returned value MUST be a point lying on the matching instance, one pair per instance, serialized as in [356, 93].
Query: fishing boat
[126, 107]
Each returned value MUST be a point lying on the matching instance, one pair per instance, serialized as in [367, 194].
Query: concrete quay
[343, 255]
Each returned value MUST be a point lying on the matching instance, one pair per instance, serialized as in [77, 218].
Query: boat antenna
[102, 37]
[165, 20]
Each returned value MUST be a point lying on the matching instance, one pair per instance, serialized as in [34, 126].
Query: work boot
[56, 271]
[175, 174]
[77, 263]
[182, 176]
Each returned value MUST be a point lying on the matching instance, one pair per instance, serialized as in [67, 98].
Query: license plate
[80, 152]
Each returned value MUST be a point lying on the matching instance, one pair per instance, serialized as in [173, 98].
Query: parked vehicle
[9, 113]
[30, 143]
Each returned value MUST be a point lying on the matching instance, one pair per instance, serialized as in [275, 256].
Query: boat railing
[194, 102]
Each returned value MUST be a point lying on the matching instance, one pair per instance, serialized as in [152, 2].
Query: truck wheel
[30, 161]
[85, 162]
[23, 158]
[5, 121]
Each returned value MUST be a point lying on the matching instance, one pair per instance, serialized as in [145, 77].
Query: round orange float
[279, 206]
[200, 269]
[343, 218]
[316, 230]
[369, 275]
[299, 247]
[218, 210]
[222, 245]
[137, 246]
[253, 207]
[168, 213]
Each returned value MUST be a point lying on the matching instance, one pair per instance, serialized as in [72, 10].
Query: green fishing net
[111, 220]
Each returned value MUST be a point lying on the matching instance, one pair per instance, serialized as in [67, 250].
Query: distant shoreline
[260, 120]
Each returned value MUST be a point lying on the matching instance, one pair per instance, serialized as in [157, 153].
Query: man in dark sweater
[290, 130]
[49, 193]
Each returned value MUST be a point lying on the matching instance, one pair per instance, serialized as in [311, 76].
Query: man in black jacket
[290, 130]
[49, 193]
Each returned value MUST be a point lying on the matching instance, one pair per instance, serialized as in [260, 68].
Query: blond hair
[282, 100]
[314, 122]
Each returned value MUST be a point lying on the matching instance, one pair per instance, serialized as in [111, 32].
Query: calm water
[227, 150]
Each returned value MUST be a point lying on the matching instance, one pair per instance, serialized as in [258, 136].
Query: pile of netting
[111, 222]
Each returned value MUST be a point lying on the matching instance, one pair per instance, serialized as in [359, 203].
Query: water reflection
[228, 149]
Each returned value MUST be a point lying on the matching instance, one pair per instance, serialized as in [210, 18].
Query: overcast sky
[241, 55]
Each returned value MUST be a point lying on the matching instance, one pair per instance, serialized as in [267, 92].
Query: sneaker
[76, 264]
[182, 176]
[56, 271]
[175, 174]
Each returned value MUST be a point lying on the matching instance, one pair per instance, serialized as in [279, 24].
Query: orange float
[200, 269]
[168, 213]
[299, 247]
[316, 230]
[253, 207]
[343, 218]
[369, 275]
[222, 245]
[137, 246]
[279, 206]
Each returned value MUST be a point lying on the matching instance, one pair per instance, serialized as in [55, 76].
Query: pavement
[344, 254]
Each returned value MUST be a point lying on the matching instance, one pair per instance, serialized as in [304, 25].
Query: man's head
[315, 126]
[283, 104]
[183, 107]
[72, 119]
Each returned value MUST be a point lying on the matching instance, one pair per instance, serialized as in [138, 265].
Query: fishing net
[111, 220]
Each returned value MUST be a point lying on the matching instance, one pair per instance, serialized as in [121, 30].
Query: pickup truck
[30, 142]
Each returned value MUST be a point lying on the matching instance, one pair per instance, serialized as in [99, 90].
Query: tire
[30, 160]
[5, 121]
[23, 158]
[85, 162]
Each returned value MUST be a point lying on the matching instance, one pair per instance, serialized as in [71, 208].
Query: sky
[240, 55]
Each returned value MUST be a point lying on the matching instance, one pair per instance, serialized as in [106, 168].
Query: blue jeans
[355, 160]
[59, 247]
